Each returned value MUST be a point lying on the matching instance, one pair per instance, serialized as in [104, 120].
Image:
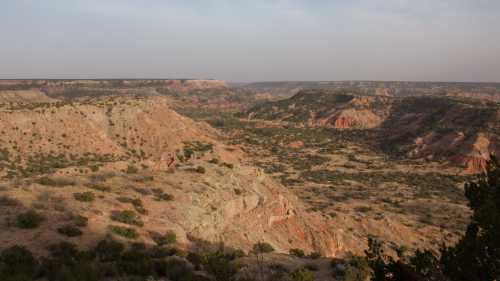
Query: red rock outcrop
[353, 119]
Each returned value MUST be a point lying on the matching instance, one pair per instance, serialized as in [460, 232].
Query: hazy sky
[236, 40]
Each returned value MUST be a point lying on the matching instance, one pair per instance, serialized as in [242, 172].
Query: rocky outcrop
[353, 119]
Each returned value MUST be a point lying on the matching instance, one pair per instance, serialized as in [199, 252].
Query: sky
[243, 41]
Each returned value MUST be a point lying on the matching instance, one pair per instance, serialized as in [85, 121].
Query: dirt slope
[127, 147]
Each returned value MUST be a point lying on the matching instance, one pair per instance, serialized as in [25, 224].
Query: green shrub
[143, 191]
[302, 274]
[131, 169]
[161, 195]
[168, 238]
[297, 252]
[55, 182]
[137, 203]
[358, 269]
[127, 232]
[227, 165]
[127, 217]
[99, 187]
[219, 265]
[214, 161]
[84, 196]
[69, 230]
[200, 170]
[29, 219]
[262, 247]
[80, 221]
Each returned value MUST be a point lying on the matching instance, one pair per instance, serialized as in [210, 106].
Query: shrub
[131, 169]
[195, 259]
[178, 270]
[17, 263]
[161, 195]
[358, 269]
[69, 230]
[108, 250]
[84, 196]
[136, 261]
[137, 203]
[297, 252]
[127, 217]
[200, 170]
[227, 165]
[64, 251]
[262, 247]
[29, 219]
[302, 274]
[81, 221]
[56, 182]
[169, 238]
[6, 201]
[315, 255]
[142, 191]
[127, 232]
[219, 266]
[99, 187]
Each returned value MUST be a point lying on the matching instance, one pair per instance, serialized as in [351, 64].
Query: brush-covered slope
[97, 158]
[462, 131]
[339, 110]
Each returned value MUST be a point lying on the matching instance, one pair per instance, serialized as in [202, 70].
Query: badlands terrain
[305, 168]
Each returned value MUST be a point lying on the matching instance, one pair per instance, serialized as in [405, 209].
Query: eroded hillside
[135, 168]
[461, 132]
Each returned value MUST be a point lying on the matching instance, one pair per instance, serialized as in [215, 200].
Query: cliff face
[353, 119]
[234, 203]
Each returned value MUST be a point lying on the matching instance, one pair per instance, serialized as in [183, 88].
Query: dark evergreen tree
[476, 257]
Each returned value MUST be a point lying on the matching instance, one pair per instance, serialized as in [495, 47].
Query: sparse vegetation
[297, 252]
[164, 239]
[263, 247]
[29, 219]
[69, 230]
[55, 182]
[6, 201]
[127, 217]
[127, 232]
[86, 197]
[162, 195]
